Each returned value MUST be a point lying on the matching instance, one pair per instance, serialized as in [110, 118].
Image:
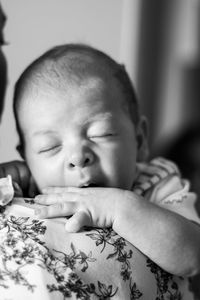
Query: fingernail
[37, 212]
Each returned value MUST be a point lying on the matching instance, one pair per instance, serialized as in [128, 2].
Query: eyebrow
[100, 117]
[42, 132]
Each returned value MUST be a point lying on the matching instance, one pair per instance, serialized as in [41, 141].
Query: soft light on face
[81, 137]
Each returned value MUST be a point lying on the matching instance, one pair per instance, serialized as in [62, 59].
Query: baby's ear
[20, 150]
[142, 139]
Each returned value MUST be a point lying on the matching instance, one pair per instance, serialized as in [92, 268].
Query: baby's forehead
[67, 76]
[94, 91]
[97, 82]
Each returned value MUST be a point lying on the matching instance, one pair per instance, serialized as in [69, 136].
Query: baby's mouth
[89, 185]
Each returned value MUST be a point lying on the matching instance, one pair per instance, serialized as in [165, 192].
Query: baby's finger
[61, 209]
[57, 190]
[77, 221]
[49, 199]
[71, 189]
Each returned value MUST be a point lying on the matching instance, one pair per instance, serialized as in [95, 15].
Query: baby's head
[78, 119]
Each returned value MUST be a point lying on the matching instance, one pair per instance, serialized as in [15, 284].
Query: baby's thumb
[77, 221]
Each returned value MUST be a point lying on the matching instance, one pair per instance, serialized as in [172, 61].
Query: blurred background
[157, 40]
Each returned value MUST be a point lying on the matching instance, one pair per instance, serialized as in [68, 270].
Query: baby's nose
[81, 159]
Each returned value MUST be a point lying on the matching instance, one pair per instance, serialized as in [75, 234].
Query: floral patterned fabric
[40, 260]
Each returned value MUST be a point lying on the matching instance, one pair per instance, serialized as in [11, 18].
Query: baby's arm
[21, 177]
[170, 240]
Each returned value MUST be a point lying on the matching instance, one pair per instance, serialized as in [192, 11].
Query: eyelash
[54, 148]
[102, 135]
[49, 149]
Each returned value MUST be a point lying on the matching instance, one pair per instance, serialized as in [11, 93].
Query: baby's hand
[97, 207]
[22, 180]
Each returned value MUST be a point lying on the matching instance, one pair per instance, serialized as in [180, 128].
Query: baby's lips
[89, 185]
[91, 182]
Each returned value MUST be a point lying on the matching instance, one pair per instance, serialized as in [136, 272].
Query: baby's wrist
[125, 205]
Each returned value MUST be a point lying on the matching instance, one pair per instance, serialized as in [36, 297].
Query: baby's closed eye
[102, 134]
[101, 131]
[50, 148]
[45, 144]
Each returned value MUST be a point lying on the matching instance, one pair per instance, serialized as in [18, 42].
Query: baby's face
[83, 137]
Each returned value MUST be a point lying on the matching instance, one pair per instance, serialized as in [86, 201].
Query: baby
[85, 144]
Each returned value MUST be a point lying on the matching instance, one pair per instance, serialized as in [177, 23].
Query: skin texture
[81, 137]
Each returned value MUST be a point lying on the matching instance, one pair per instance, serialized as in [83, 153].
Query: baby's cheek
[40, 173]
[46, 178]
[126, 171]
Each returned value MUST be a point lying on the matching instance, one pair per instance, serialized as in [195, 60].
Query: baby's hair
[69, 64]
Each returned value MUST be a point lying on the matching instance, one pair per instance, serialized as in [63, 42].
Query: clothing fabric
[40, 260]
[160, 182]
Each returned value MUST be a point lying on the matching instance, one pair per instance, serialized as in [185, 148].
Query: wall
[169, 67]
[179, 91]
